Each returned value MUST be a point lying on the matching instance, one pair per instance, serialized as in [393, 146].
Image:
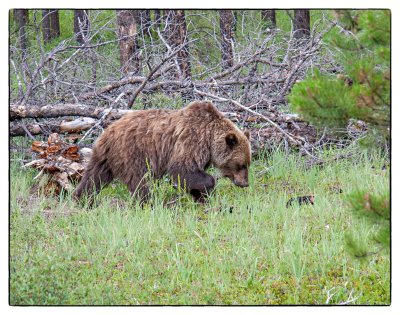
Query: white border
[381, 4]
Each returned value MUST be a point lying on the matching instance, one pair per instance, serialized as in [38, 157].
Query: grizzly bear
[181, 143]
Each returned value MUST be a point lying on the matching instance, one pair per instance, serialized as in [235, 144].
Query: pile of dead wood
[61, 162]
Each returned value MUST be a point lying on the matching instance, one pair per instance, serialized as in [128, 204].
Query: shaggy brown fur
[181, 143]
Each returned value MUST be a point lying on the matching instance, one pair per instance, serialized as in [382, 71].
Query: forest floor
[244, 246]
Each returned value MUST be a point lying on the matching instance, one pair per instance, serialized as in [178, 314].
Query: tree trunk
[21, 17]
[157, 18]
[46, 25]
[81, 25]
[269, 17]
[127, 21]
[176, 35]
[50, 25]
[54, 24]
[301, 23]
[226, 26]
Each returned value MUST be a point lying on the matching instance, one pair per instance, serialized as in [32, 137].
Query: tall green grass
[242, 247]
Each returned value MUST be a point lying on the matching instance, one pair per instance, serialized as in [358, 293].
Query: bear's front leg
[199, 184]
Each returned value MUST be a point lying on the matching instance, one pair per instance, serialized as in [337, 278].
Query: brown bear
[181, 143]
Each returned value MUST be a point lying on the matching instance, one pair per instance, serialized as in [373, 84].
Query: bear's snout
[241, 179]
[241, 183]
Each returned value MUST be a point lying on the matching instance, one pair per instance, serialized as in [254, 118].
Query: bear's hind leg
[96, 176]
[139, 187]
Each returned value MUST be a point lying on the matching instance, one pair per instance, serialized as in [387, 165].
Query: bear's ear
[231, 140]
[247, 133]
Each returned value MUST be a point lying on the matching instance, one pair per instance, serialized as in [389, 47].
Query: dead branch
[118, 84]
[155, 69]
[111, 86]
[103, 117]
[221, 99]
[296, 140]
[238, 65]
[44, 60]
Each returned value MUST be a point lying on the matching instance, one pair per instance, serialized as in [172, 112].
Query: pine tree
[375, 207]
[361, 92]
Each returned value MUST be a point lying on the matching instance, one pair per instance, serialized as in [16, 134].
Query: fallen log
[74, 126]
[60, 110]
[77, 125]
[17, 129]
[18, 111]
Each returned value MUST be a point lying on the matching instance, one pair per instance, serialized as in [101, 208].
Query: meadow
[244, 246]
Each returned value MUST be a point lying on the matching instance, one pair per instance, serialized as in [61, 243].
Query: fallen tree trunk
[77, 125]
[18, 111]
[16, 129]
[74, 126]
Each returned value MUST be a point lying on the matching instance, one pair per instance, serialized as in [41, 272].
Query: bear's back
[152, 138]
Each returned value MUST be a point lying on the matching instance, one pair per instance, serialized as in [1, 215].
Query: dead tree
[301, 25]
[21, 17]
[176, 35]
[269, 17]
[127, 21]
[81, 25]
[226, 26]
[50, 24]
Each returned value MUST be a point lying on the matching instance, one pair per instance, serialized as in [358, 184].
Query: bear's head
[231, 153]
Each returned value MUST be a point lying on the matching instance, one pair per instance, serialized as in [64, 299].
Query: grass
[243, 247]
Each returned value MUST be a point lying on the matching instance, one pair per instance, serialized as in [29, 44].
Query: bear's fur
[181, 143]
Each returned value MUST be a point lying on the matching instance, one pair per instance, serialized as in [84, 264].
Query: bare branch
[292, 138]
[221, 99]
[154, 70]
